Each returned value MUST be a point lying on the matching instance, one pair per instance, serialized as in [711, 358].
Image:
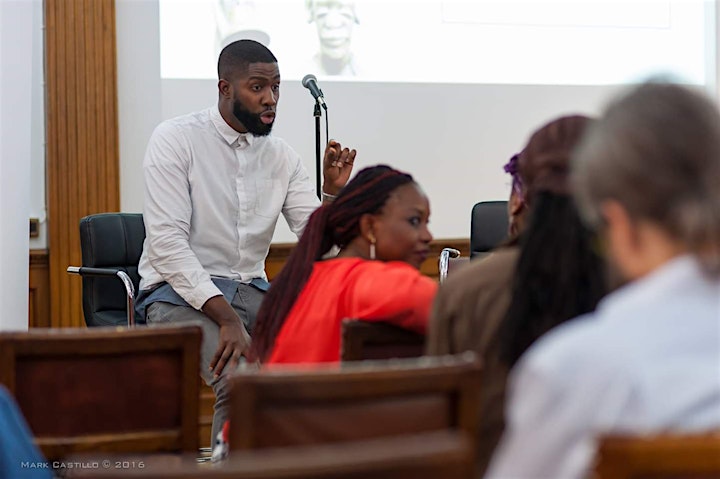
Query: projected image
[578, 42]
[334, 21]
[236, 19]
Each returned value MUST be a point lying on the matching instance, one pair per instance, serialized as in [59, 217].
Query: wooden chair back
[357, 401]
[105, 389]
[363, 340]
[659, 457]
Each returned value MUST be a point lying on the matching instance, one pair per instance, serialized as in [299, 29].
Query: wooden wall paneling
[279, 253]
[82, 137]
[430, 265]
[39, 295]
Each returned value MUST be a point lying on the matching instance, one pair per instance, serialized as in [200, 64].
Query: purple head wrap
[512, 168]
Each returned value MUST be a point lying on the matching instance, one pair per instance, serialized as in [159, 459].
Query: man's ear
[623, 239]
[619, 224]
[367, 226]
[224, 88]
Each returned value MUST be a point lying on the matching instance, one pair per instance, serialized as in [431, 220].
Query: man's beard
[251, 121]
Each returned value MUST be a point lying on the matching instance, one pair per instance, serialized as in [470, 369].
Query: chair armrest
[129, 287]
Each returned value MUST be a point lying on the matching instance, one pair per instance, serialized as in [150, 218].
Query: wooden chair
[377, 340]
[434, 455]
[106, 389]
[659, 457]
[359, 401]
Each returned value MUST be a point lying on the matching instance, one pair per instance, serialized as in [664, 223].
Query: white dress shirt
[212, 199]
[647, 361]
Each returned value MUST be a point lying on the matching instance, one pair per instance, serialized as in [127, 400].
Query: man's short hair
[235, 58]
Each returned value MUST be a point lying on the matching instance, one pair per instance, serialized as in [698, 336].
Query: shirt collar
[231, 136]
[661, 282]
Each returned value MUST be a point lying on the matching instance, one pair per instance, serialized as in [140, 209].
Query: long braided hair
[559, 274]
[335, 224]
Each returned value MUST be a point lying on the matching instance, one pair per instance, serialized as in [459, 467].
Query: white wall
[716, 54]
[16, 41]
[456, 155]
[37, 126]
[453, 138]
[139, 91]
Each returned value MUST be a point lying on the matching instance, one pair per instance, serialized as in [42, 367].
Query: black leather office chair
[111, 245]
[488, 226]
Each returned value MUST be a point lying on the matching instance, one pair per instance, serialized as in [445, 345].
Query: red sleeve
[394, 292]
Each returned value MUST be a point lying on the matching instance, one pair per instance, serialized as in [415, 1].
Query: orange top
[341, 288]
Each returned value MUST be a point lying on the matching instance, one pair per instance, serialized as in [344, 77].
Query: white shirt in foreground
[647, 361]
[212, 199]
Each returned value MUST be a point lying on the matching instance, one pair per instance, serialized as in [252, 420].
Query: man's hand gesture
[337, 167]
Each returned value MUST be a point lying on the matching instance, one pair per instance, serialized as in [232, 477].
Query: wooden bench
[106, 389]
[433, 455]
[694, 456]
[378, 340]
[358, 401]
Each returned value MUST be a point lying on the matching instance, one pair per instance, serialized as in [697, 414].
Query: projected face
[255, 96]
[401, 228]
[236, 19]
[235, 12]
[334, 20]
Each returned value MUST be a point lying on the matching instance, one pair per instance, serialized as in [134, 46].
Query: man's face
[255, 96]
[334, 20]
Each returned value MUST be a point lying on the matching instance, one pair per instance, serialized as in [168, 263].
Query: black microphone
[310, 82]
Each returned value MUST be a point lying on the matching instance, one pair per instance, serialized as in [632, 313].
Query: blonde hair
[656, 150]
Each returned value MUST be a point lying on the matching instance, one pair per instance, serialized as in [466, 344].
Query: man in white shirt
[215, 184]
[648, 359]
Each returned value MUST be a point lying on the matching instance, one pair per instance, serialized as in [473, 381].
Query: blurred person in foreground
[19, 456]
[647, 177]
[380, 223]
[548, 273]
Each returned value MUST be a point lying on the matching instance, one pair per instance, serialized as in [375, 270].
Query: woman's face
[401, 228]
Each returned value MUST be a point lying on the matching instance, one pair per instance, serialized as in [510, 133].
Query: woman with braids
[559, 274]
[647, 361]
[546, 274]
[380, 223]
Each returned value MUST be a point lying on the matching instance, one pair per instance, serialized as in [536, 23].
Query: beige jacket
[466, 316]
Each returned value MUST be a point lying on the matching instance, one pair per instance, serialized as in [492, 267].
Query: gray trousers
[246, 303]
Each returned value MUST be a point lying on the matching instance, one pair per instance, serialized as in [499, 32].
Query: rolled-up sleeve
[301, 199]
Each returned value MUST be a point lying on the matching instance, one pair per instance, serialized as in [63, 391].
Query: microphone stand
[317, 112]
